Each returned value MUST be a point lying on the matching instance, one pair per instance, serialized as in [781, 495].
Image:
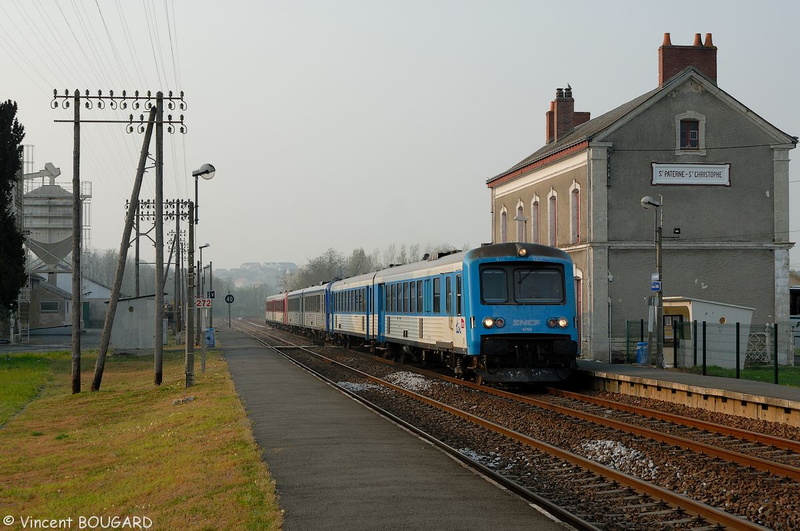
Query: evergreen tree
[12, 254]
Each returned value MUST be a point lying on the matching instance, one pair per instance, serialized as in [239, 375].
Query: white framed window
[690, 133]
[575, 213]
[503, 225]
[552, 219]
[535, 219]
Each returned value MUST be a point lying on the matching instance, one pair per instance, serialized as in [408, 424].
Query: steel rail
[730, 521]
[779, 442]
[757, 463]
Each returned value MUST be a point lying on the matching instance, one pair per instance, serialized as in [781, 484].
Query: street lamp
[207, 172]
[656, 280]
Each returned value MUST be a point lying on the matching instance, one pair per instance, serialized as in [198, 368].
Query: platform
[338, 465]
[746, 398]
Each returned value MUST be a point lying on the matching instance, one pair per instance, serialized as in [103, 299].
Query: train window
[419, 296]
[448, 295]
[405, 297]
[458, 294]
[437, 294]
[494, 286]
[394, 297]
[541, 285]
[412, 295]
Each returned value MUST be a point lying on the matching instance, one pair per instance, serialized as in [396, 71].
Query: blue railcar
[351, 311]
[520, 299]
[499, 313]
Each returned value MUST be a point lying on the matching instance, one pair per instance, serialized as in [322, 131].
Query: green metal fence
[702, 344]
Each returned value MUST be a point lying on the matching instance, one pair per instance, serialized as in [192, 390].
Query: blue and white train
[499, 313]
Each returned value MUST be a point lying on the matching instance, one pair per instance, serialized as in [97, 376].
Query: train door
[448, 301]
[366, 300]
[379, 311]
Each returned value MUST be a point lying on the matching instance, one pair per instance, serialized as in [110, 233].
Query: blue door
[378, 310]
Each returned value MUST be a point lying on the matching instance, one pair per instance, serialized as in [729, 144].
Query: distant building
[47, 220]
[720, 170]
[51, 301]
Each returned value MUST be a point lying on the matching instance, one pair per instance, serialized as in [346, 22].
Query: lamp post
[207, 172]
[656, 280]
[191, 307]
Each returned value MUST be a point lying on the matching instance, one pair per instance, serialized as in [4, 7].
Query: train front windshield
[522, 283]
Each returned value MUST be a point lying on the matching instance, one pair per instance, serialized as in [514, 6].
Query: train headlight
[499, 322]
[488, 322]
[522, 253]
[558, 322]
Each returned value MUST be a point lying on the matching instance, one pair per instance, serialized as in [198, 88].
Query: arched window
[520, 219]
[503, 225]
[552, 218]
[535, 219]
[575, 213]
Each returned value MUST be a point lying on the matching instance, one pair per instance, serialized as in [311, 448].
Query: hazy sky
[345, 124]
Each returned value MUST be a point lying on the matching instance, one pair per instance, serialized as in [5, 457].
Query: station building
[719, 170]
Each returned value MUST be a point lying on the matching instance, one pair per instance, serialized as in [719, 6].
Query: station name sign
[702, 174]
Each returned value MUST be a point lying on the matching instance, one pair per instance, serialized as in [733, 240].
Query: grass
[787, 375]
[22, 376]
[184, 458]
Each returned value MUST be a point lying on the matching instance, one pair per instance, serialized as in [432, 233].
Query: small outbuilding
[134, 325]
[716, 331]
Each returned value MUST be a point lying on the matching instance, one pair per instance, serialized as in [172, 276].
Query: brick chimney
[561, 119]
[673, 59]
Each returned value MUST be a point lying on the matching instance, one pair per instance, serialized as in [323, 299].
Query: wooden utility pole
[76, 247]
[136, 252]
[176, 295]
[158, 352]
[132, 214]
[115, 102]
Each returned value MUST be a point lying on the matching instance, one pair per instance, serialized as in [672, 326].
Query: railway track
[566, 453]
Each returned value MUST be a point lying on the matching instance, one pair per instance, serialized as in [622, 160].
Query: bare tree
[358, 263]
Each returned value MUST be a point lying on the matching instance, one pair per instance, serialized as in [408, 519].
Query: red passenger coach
[276, 310]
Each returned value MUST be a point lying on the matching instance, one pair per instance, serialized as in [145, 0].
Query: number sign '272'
[202, 303]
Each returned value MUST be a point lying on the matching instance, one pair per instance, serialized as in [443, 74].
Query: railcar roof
[421, 266]
[501, 250]
[310, 289]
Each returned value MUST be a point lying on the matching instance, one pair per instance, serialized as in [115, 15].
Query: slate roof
[588, 130]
